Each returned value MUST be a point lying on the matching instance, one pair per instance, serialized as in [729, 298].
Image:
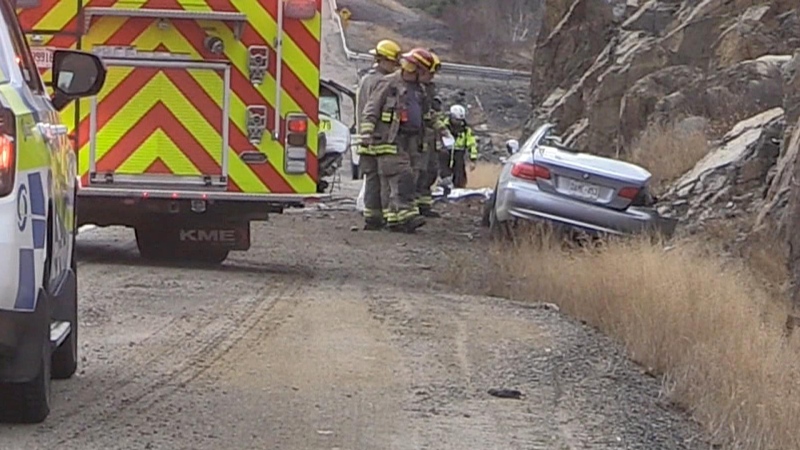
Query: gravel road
[322, 337]
[354, 342]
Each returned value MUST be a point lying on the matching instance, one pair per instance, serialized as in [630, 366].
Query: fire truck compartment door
[158, 136]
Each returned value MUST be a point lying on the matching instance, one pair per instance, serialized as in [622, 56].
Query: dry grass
[704, 323]
[668, 153]
[484, 176]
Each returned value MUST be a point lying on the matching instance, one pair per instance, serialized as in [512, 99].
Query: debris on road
[506, 393]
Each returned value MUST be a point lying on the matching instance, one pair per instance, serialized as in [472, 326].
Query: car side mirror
[512, 146]
[76, 74]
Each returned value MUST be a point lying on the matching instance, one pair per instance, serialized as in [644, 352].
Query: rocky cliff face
[605, 71]
[607, 68]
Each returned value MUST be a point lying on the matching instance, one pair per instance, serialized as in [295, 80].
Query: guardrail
[460, 70]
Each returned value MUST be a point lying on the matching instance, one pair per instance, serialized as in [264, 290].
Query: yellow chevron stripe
[212, 85]
[58, 17]
[237, 53]
[133, 110]
[275, 152]
[102, 28]
[239, 171]
[175, 41]
[306, 71]
[314, 26]
[166, 150]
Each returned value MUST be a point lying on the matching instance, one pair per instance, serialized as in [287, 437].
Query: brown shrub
[668, 152]
[484, 176]
[704, 323]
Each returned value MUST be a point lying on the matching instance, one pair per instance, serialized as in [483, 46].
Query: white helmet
[458, 112]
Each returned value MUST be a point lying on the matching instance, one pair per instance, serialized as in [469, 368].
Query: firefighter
[427, 167]
[392, 124]
[376, 194]
[465, 147]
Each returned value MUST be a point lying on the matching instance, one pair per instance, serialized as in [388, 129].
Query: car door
[57, 172]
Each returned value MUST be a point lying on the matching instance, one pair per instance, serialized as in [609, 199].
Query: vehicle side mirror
[512, 146]
[76, 74]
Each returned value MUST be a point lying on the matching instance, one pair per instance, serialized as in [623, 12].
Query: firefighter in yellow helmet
[392, 125]
[376, 195]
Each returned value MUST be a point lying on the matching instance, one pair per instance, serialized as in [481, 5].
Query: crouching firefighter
[465, 147]
[392, 125]
[376, 193]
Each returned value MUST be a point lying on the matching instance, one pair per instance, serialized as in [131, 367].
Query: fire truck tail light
[297, 125]
[8, 152]
[296, 139]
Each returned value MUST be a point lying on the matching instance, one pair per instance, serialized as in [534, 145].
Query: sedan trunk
[590, 178]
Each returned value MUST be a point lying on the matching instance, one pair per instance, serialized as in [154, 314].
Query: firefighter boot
[374, 224]
[411, 225]
[427, 211]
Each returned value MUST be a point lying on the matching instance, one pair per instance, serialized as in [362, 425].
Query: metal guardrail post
[458, 70]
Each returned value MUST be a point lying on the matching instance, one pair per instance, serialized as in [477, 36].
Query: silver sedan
[545, 181]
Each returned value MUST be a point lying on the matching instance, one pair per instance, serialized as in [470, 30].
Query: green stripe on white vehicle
[24, 210]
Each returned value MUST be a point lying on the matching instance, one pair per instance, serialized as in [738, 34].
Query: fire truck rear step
[59, 332]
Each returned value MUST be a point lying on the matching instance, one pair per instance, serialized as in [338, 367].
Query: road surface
[357, 342]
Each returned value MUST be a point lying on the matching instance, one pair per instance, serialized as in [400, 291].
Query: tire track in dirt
[155, 377]
[174, 352]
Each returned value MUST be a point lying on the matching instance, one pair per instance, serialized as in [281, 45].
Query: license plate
[325, 125]
[43, 57]
[582, 190]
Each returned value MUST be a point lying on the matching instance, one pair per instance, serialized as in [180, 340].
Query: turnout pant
[419, 163]
[454, 163]
[427, 174]
[373, 204]
[398, 173]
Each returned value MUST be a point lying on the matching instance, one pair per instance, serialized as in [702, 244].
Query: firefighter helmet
[417, 58]
[388, 49]
[458, 112]
[437, 63]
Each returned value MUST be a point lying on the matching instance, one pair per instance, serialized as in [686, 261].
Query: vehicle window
[21, 50]
[528, 145]
[329, 105]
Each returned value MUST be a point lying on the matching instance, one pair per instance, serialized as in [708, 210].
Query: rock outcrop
[746, 179]
[603, 72]
[733, 179]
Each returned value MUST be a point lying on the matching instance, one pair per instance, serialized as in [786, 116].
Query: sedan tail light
[530, 171]
[8, 152]
[629, 193]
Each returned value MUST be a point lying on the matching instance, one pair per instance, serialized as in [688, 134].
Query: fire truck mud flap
[192, 243]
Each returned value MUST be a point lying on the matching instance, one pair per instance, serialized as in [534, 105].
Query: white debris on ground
[438, 194]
